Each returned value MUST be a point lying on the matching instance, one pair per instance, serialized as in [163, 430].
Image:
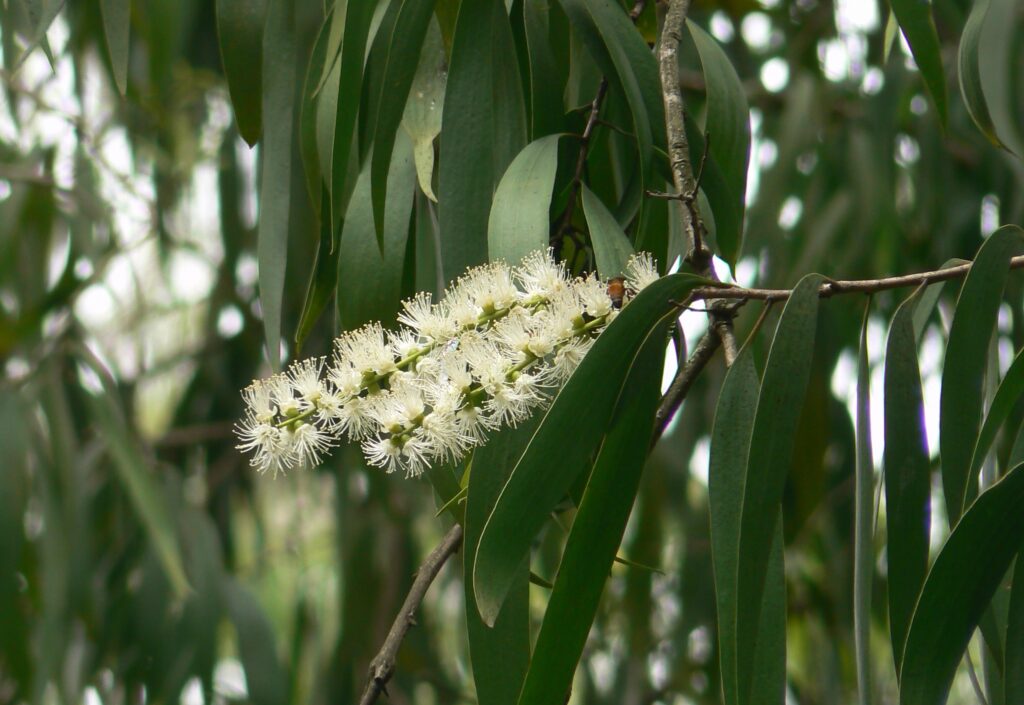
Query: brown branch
[382, 667]
[686, 375]
[834, 287]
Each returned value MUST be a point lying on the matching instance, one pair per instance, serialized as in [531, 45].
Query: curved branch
[382, 667]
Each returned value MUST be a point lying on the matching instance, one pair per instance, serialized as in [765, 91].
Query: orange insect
[617, 290]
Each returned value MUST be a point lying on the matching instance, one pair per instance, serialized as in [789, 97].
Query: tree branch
[686, 375]
[834, 287]
[382, 667]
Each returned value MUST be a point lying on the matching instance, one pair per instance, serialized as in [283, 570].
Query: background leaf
[117, 30]
[612, 248]
[519, 220]
[959, 587]
[240, 26]
[918, 27]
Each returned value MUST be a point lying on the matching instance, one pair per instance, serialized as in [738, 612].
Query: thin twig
[593, 119]
[834, 287]
[686, 375]
[683, 175]
[382, 667]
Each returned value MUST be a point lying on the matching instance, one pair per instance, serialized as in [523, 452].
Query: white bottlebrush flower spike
[487, 355]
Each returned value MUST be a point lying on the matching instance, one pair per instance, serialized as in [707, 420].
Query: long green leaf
[779, 404]
[308, 118]
[960, 410]
[965, 576]
[564, 443]
[370, 277]
[727, 469]
[144, 492]
[728, 124]
[519, 222]
[1009, 394]
[721, 213]
[863, 544]
[275, 184]
[547, 74]
[117, 31]
[500, 655]
[907, 482]
[14, 486]
[918, 27]
[358, 17]
[986, 46]
[625, 58]
[612, 248]
[322, 281]
[465, 185]
[596, 532]
[1013, 666]
[266, 680]
[422, 118]
[240, 26]
[403, 53]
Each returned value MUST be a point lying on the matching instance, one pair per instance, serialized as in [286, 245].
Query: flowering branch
[486, 356]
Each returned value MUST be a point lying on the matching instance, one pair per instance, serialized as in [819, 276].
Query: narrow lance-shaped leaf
[275, 184]
[547, 75]
[266, 680]
[779, 403]
[612, 248]
[570, 431]
[863, 544]
[403, 52]
[358, 16]
[370, 277]
[596, 531]
[1013, 666]
[466, 169]
[728, 127]
[727, 466]
[966, 574]
[918, 27]
[974, 321]
[499, 654]
[422, 118]
[907, 481]
[1007, 397]
[240, 26]
[117, 31]
[519, 222]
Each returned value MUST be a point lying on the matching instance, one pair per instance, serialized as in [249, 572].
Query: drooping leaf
[466, 170]
[1007, 397]
[907, 481]
[135, 474]
[624, 57]
[422, 118]
[117, 31]
[570, 431]
[612, 248]
[974, 321]
[500, 654]
[322, 281]
[240, 27]
[369, 277]
[266, 680]
[779, 404]
[986, 46]
[960, 585]
[727, 130]
[863, 546]
[309, 146]
[356, 36]
[275, 185]
[547, 75]
[1013, 665]
[596, 532]
[519, 221]
[918, 27]
[719, 210]
[404, 47]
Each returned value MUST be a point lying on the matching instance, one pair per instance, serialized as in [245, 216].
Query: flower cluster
[487, 355]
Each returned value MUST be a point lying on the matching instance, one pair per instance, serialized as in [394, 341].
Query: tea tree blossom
[487, 355]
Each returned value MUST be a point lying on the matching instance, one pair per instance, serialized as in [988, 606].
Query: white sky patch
[873, 81]
[775, 74]
[790, 213]
[756, 29]
[700, 459]
[989, 215]
[722, 27]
